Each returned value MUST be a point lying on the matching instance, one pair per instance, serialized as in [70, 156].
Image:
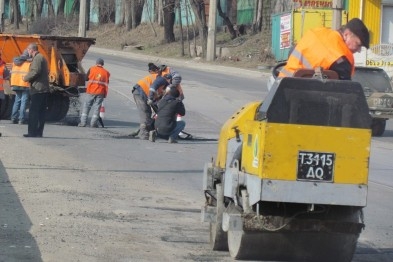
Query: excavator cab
[290, 177]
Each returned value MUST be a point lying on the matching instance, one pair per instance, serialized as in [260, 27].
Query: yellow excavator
[290, 178]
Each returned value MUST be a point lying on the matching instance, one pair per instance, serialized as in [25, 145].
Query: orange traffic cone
[102, 111]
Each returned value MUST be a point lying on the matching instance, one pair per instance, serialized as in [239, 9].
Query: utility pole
[1, 16]
[337, 14]
[211, 34]
[82, 18]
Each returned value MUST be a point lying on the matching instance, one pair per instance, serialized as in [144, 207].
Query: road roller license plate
[315, 166]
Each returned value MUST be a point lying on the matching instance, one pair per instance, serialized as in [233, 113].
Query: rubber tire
[378, 126]
[58, 106]
[218, 237]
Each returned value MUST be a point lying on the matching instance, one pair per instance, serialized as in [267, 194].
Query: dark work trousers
[37, 110]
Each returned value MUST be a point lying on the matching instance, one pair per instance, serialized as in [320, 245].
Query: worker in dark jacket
[38, 77]
[168, 108]
[329, 49]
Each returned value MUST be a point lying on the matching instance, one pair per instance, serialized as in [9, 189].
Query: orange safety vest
[98, 81]
[319, 47]
[146, 82]
[17, 74]
[2, 68]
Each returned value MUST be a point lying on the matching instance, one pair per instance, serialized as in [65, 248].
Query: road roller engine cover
[290, 177]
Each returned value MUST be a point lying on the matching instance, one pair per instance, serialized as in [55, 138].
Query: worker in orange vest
[4, 75]
[20, 68]
[329, 49]
[97, 78]
[141, 91]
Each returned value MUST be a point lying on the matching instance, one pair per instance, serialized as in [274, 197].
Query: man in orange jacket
[329, 49]
[97, 78]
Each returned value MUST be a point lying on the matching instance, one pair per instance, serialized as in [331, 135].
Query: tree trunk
[169, 20]
[188, 29]
[16, 13]
[178, 6]
[160, 19]
[88, 5]
[136, 12]
[40, 6]
[60, 8]
[51, 9]
[227, 21]
[74, 8]
[257, 23]
[127, 15]
[198, 6]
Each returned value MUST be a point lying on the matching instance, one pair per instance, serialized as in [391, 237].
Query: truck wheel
[6, 107]
[378, 126]
[57, 107]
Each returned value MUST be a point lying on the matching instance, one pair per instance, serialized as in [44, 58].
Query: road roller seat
[321, 102]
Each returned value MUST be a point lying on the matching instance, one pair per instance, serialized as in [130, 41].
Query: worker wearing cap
[176, 78]
[141, 92]
[97, 78]
[329, 49]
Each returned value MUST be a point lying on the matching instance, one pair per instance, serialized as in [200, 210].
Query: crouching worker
[168, 108]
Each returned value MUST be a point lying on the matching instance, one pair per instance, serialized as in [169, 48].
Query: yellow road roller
[290, 177]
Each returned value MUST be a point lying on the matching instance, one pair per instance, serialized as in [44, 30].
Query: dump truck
[290, 177]
[66, 74]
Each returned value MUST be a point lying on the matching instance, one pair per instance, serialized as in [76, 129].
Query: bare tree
[74, 8]
[136, 12]
[15, 16]
[169, 20]
[51, 9]
[198, 6]
[127, 14]
[60, 8]
[226, 20]
[178, 6]
[257, 21]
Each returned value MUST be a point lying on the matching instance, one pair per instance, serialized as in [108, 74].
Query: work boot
[135, 133]
[152, 135]
[14, 121]
[143, 133]
[171, 140]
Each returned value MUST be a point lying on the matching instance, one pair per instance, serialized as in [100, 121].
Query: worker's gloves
[149, 102]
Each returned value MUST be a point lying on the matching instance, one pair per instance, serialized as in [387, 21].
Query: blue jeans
[180, 125]
[19, 107]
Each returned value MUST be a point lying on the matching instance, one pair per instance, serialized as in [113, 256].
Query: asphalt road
[82, 194]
